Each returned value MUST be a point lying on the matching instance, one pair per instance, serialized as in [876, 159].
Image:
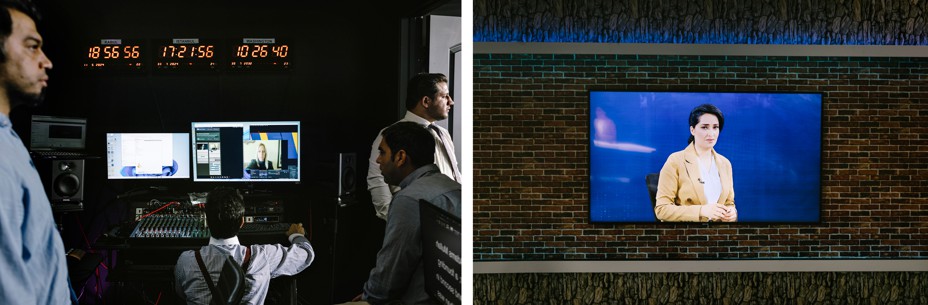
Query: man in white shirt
[225, 215]
[427, 101]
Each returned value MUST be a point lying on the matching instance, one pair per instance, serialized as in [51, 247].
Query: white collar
[228, 241]
[412, 117]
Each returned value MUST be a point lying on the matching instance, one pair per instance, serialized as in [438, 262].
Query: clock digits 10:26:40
[268, 54]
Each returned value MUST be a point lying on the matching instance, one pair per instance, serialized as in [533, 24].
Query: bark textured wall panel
[837, 22]
[702, 288]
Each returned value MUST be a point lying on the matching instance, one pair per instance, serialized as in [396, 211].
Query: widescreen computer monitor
[246, 151]
[147, 155]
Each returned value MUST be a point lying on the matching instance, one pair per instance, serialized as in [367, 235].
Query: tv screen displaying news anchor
[705, 157]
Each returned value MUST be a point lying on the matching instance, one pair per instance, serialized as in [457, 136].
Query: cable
[158, 209]
[99, 283]
[86, 240]
[83, 234]
[159, 298]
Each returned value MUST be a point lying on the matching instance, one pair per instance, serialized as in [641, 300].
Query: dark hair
[703, 109]
[413, 138]
[224, 211]
[423, 84]
[6, 20]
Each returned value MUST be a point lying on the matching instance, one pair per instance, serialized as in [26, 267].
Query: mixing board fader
[171, 226]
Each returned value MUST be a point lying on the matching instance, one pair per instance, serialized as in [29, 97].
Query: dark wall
[345, 68]
[343, 88]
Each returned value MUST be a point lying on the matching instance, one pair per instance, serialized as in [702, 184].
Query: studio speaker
[67, 181]
[347, 177]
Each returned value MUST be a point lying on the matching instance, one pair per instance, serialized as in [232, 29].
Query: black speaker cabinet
[347, 173]
[67, 181]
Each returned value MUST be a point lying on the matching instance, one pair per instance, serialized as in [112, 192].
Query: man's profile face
[24, 69]
[440, 104]
[387, 166]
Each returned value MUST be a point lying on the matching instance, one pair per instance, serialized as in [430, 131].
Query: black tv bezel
[821, 147]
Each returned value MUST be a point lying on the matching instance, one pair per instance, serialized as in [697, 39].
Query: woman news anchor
[696, 183]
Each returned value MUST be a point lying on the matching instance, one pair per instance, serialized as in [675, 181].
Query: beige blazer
[679, 193]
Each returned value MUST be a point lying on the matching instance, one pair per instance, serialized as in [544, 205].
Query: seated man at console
[406, 155]
[225, 215]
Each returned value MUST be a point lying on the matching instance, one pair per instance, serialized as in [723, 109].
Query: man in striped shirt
[225, 215]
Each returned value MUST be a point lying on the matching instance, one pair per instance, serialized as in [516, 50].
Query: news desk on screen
[246, 151]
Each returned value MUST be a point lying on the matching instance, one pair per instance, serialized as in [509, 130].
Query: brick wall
[531, 167]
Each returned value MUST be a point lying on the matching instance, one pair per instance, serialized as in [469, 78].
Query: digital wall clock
[115, 55]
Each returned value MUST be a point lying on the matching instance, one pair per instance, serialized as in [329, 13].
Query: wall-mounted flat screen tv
[772, 142]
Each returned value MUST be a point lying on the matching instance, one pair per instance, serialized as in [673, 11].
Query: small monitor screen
[58, 133]
[642, 168]
[246, 151]
[147, 155]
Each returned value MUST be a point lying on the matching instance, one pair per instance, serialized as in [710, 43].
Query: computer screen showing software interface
[246, 151]
[148, 155]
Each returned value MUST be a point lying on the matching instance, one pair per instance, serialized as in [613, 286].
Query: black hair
[224, 211]
[704, 109]
[6, 20]
[413, 138]
[423, 84]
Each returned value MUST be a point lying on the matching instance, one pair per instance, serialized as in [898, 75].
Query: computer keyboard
[277, 227]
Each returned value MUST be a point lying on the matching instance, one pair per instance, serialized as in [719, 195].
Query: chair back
[441, 253]
[231, 285]
[651, 181]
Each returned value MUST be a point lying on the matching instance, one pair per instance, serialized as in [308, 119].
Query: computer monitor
[246, 151]
[147, 155]
[58, 133]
